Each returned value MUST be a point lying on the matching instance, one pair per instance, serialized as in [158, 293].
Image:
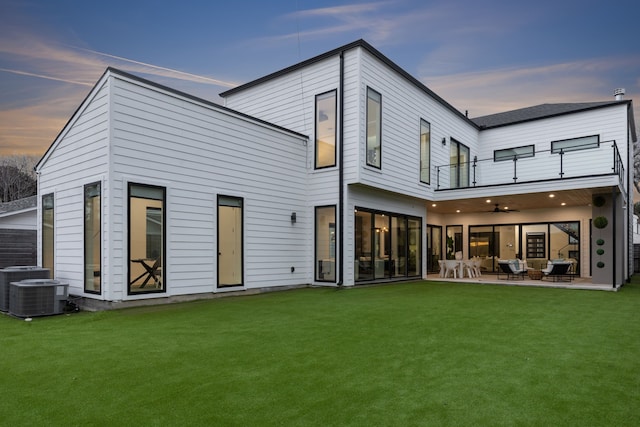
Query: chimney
[619, 94]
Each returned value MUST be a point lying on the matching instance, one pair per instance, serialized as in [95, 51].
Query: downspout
[615, 243]
[629, 213]
[341, 176]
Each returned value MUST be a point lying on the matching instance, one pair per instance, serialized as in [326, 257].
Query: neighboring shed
[18, 232]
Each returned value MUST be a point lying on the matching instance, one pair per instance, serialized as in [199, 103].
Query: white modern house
[336, 171]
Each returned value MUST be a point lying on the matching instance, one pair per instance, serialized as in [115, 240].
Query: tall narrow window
[459, 164]
[326, 130]
[415, 252]
[146, 238]
[425, 151]
[48, 235]
[230, 235]
[454, 240]
[374, 128]
[92, 238]
[326, 243]
[434, 247]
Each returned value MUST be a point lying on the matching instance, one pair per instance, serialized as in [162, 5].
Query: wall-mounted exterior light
[293, 218]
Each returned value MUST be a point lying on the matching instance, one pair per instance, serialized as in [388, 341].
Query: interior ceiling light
[457, 210]
[563, 204]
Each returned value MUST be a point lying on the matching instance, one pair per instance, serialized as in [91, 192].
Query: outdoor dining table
[150, 267]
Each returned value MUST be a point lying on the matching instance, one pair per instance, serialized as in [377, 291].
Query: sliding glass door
[386, 245]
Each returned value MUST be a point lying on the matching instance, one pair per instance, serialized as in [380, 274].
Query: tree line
[17, 177]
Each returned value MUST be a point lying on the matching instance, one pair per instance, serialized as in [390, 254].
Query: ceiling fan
[504, 210]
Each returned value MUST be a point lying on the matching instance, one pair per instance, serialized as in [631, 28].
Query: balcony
[546, 165]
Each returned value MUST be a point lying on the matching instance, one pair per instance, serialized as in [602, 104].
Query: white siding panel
[403, 105]
[370, 198]
[199, 152]
[609, 123]
[79, 157]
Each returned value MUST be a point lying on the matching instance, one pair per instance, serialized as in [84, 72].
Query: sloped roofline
[110, 71]
[545, 111]
[356, 44]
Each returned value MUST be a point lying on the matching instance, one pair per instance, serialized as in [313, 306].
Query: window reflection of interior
[425, 151]
[386, 245]
[326, 243]
[373, 128]
[47, 233]
[92, 238]
[326, 130]
[146, 239]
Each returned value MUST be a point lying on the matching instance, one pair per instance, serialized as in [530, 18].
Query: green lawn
[435, 354]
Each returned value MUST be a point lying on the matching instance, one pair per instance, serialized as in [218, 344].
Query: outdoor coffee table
[534, 274]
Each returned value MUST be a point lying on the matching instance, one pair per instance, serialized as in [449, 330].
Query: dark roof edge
[376, 53]
[175, 92]
[548, 116]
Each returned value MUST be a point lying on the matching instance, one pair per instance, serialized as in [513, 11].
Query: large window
[146, 238]
[535, 243]
[492, 242]
[387, 245]
[514, 153]
[326, 130]
[374, 128]
[230, 238]
[459, 164]
[575, 144]
[92, 238]
[48, 235]
[325, 243]
[425, 151]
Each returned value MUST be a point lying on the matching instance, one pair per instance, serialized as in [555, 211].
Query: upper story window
[326, 130]
[574, 144]
[459, 164]
[425, 151]
[514, 153]
[374, 128]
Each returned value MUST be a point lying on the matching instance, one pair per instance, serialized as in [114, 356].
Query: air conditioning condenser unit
[37, 297]
[16, 274]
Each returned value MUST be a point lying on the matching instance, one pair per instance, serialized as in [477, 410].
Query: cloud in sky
[497, 90]
[486, 58]
[31, 126]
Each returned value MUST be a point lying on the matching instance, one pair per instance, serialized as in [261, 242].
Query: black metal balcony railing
[545, 165]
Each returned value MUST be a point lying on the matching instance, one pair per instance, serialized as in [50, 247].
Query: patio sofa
[558, 271]
[512, 268]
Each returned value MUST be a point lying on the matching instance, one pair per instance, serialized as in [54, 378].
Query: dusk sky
[481, 56]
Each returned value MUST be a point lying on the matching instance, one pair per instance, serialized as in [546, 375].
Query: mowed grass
[434, 354]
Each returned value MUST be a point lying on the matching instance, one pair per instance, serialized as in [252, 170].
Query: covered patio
[582, 283]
